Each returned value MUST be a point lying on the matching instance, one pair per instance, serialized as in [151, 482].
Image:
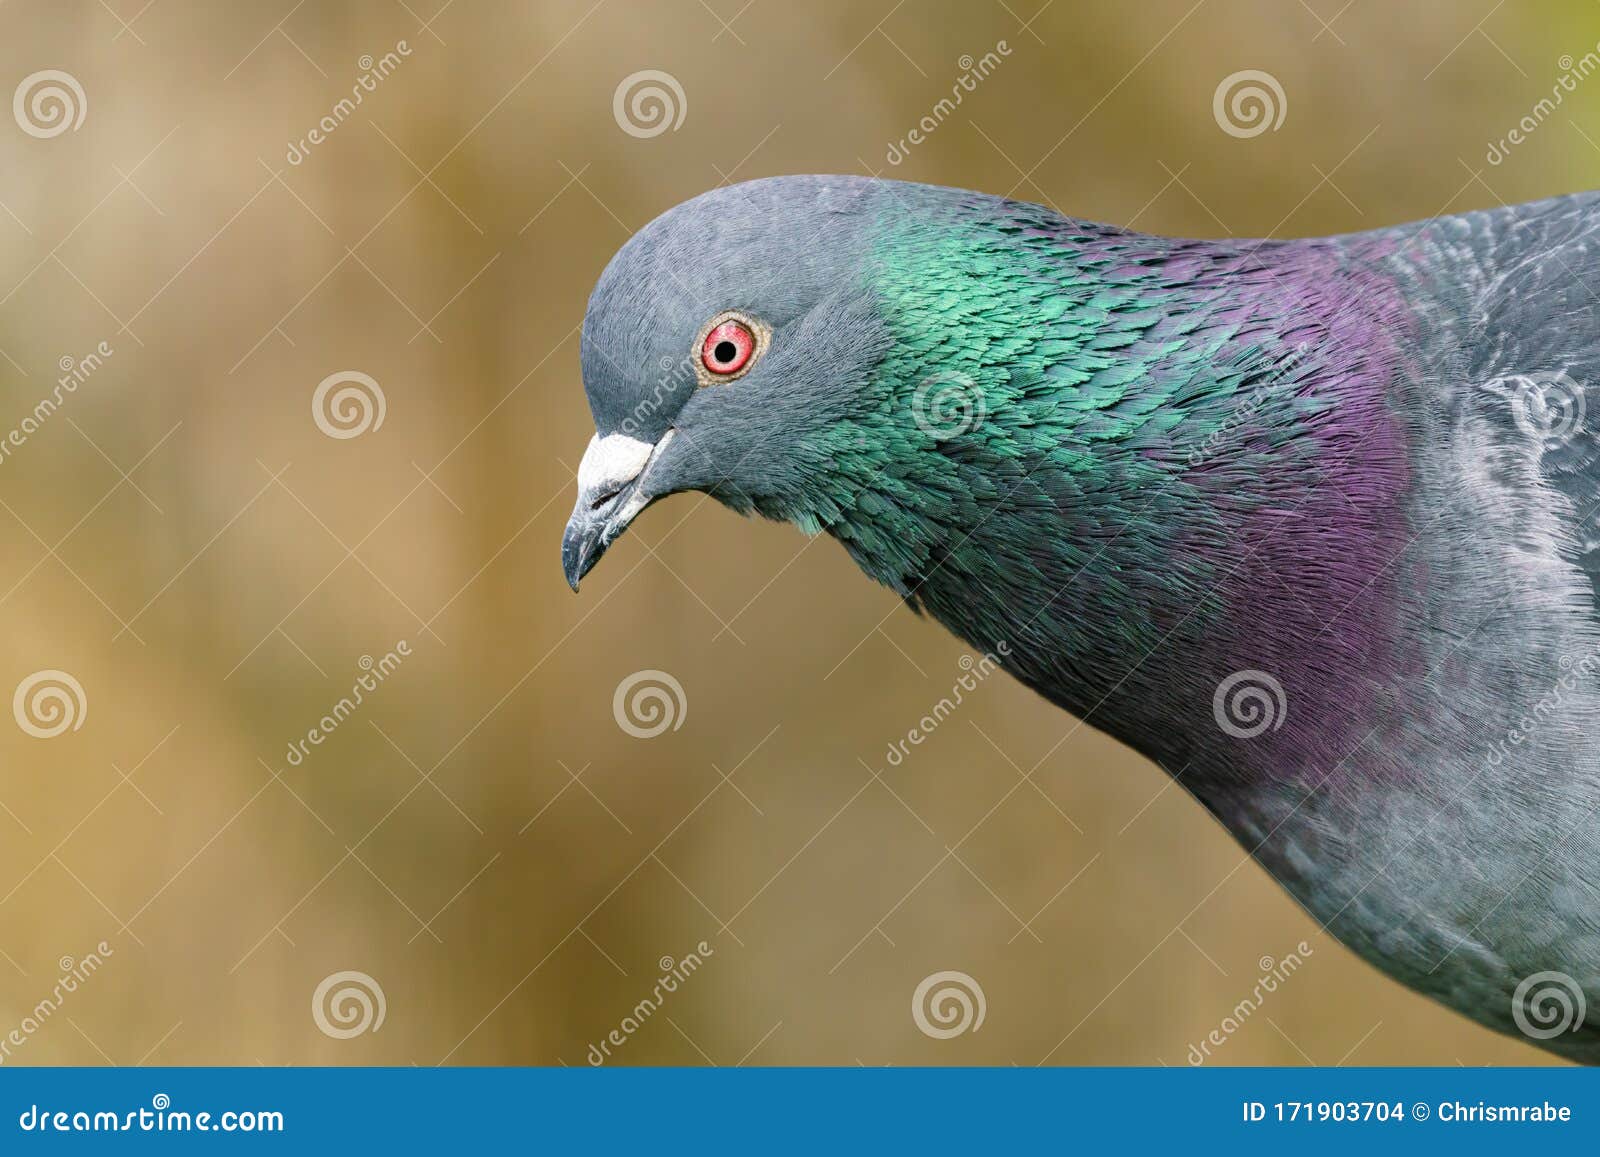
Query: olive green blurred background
[481, 838]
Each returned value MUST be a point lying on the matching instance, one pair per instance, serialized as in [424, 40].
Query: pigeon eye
[728, 348]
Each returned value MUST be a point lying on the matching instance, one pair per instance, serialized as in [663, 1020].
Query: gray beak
[611, 492]
[581, 547]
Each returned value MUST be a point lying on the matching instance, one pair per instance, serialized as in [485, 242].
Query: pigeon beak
[611, 492]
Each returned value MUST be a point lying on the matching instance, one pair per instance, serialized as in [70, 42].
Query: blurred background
[322, 422]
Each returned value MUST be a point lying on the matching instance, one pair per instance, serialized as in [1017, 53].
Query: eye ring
[728, 347]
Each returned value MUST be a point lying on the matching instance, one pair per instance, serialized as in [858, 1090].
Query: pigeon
[1314, 524]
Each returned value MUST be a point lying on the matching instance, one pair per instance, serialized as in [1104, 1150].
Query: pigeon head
[883, 361]
[722, 346]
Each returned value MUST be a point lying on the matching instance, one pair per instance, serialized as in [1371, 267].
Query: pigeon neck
[1168, 476]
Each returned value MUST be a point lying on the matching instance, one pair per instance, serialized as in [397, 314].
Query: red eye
[728, 348]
